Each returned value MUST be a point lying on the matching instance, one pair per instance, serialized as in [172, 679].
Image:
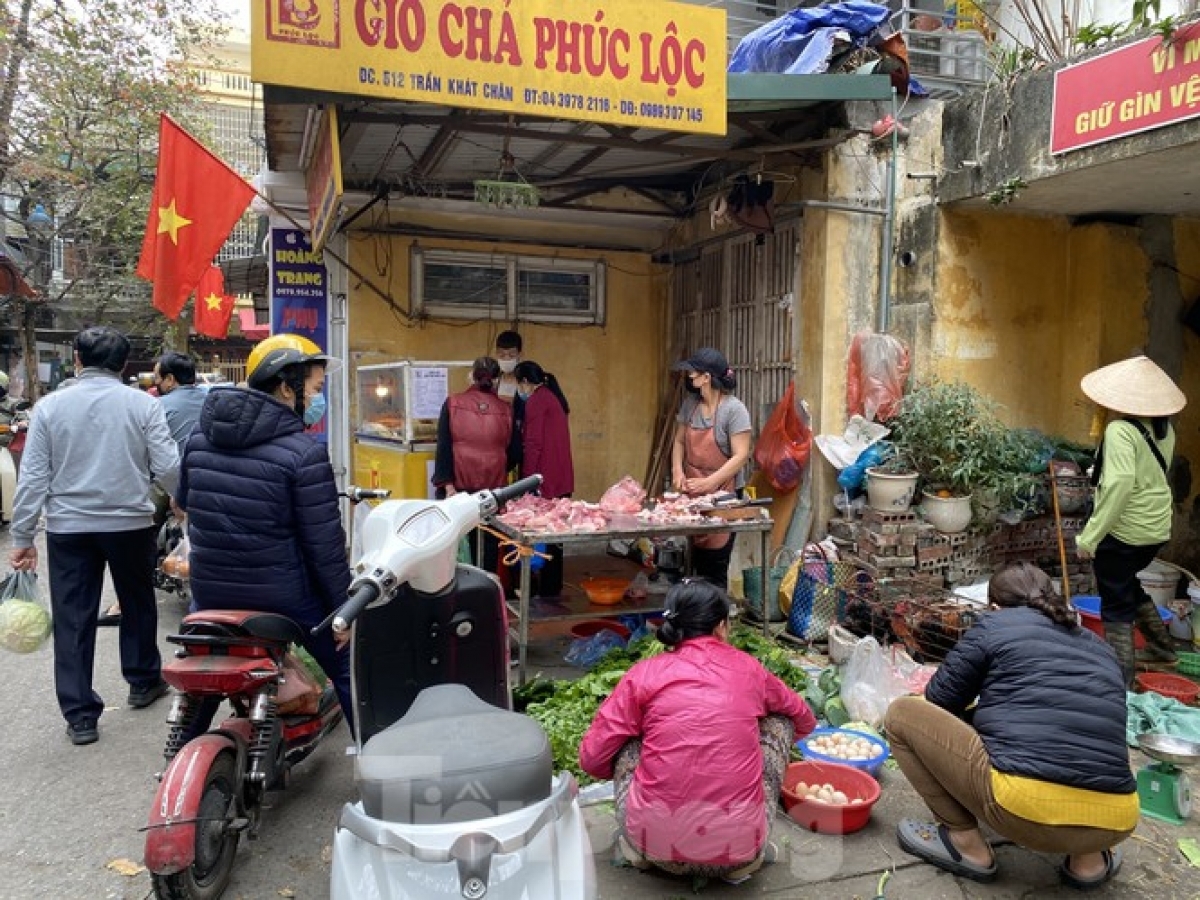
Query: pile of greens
[565, 709]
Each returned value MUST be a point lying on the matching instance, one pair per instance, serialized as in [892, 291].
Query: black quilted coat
[262, 511]
[1051, 699]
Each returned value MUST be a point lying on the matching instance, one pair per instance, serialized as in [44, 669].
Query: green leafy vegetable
[565, 709]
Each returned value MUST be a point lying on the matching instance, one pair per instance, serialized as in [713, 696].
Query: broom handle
[1062, 548]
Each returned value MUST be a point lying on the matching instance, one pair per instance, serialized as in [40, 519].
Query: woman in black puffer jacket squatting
[1042, 760]
[262, 503]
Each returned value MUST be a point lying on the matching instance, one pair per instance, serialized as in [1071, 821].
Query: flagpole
[363, 279]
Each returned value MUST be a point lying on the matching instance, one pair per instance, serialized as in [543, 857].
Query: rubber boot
[1120, 638]
[1158, 641]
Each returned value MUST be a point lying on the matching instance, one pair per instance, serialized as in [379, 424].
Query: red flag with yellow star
[196, 202]
[214, 308]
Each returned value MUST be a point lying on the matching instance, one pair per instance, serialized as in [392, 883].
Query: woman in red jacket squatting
[696, 741]
[546, 451]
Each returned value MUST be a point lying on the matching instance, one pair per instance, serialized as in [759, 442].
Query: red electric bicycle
[215, 783]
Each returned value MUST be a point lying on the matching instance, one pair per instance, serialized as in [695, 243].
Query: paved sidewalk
[849, 867]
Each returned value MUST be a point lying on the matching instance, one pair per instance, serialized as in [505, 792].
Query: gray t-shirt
[731, 418]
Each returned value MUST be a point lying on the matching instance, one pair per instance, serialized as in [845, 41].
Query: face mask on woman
[507, 366]
[314, 412]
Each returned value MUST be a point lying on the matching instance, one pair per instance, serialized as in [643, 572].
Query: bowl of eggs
[829, 798]
[841, 745]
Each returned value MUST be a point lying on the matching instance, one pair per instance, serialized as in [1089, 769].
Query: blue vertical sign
[300, 295]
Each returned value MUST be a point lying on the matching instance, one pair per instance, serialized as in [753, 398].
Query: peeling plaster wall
[1185, 543]
[1027, 305]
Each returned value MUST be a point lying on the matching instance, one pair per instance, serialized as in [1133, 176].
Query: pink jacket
[697, 794]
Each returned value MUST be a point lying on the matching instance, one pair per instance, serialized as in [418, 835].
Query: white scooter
[458, 793]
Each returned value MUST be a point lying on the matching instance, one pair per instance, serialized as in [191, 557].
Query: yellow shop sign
[643, 63]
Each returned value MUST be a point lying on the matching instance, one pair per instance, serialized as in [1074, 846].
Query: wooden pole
[1062, 547]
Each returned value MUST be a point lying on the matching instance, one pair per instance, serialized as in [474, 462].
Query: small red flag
[214, 307]
[196, 202]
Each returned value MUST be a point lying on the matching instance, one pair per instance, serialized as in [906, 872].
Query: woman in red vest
[475, 445]
[546, 451]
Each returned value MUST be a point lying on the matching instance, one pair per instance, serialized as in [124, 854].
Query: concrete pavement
[70, 816]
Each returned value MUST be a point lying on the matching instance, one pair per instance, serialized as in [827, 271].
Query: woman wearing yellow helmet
[263, 517]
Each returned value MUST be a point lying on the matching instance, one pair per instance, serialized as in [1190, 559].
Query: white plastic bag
[870, 683]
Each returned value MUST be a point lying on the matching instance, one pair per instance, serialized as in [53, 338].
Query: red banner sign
[1137, 87]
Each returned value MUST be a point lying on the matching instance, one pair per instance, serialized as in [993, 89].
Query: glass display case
[399, 402]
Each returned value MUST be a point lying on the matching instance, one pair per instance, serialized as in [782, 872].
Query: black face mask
[691, 388]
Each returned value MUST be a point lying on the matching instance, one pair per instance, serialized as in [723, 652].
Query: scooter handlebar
[343, 617]
[357, 494]
[516, 489]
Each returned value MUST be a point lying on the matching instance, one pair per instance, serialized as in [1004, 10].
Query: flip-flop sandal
[930, 842]
[1112, 860]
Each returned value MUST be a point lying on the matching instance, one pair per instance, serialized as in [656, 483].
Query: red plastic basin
[827, 818]
[592, 627]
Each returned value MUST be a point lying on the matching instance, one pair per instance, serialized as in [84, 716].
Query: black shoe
[109, 619]
[140, 698]
[83, 732]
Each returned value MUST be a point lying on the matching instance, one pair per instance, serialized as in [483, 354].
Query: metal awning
[412, 166]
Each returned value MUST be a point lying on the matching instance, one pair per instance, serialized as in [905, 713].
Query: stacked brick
[900, 545]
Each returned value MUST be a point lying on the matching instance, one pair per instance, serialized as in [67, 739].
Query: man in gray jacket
[90, 458]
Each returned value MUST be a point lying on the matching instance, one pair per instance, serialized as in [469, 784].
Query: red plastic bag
[875, 376]
[784, 444]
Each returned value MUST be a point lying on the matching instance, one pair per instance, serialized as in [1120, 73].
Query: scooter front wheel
[216, 841]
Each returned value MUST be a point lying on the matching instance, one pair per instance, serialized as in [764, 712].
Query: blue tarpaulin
[801, 42]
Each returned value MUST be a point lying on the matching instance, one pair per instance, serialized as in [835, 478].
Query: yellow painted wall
[610, 374]
[1026, 305]
[1186, 546]
[1187, 259]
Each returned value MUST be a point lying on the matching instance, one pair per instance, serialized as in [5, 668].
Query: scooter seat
[454, 758]
[263, 625]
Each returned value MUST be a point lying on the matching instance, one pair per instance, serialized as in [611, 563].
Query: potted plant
[892, 483]
[954, 438]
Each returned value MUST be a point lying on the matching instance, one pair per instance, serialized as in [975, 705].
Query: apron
[701, 457]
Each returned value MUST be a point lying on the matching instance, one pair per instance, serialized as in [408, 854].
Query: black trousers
[76, 563]
[1116, 565]
[713, 564]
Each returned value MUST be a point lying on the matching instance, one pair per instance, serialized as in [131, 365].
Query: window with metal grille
[502, 286]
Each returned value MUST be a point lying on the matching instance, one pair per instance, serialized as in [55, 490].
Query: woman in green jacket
[1131, 520]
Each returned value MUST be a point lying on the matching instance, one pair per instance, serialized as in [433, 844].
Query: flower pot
[949, 515]
[890, 493]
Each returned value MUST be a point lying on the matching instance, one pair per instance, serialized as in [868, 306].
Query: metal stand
[762, 526]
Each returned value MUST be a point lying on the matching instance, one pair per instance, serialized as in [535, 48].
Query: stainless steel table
[760, 524]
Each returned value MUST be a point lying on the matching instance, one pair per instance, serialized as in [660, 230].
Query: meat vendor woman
[712, 446]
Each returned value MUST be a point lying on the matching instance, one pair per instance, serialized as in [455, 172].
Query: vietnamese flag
[214, 307]
[196, 202]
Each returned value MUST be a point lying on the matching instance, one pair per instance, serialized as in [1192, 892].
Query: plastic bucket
[1160, 581]
[752, 588]
[1089, 616]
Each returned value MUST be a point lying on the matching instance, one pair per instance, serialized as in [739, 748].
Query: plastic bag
[586, 652]
[25, 622]
[851, 477]
[870, 682]
[176, 562]
[300, 690]
[785, 444]
[876, 373]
